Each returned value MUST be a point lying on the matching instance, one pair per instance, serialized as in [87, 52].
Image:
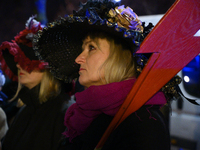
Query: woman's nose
[18, 66]
[80, 59]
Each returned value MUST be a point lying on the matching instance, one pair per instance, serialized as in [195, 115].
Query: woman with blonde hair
[40, 122]
[110, 35]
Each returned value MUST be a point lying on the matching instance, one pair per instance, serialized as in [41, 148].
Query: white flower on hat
[33, 25]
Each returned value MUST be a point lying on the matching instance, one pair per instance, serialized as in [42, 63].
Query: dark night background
[15, 13]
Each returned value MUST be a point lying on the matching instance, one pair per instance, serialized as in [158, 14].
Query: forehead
[89, 39]
[96, 40]
[102, 44]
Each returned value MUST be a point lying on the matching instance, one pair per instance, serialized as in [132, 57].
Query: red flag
[173, 45]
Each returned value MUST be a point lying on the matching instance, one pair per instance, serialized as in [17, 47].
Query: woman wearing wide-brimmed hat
[110, 35]
[39, 123]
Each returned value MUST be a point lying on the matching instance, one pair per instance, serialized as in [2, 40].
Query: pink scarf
[97, 100]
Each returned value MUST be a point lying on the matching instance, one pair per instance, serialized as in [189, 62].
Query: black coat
[37, 126]
[144, 130]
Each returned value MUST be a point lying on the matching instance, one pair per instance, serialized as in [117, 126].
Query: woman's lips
[81, 69]
[21, 73]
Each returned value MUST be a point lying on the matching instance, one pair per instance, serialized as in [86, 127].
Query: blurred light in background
[186, 79]
[191, 74]
[41, 11]
[117, 0]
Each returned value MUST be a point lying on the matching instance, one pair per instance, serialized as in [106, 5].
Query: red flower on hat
[13, 50]
[25, 37]
[27, 64]
[21, 38]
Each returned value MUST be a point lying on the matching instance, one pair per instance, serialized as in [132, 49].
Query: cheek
[38, 77]
[99, 66]
[95, 68]
[33, 77]
[97, 72]
[24, 79]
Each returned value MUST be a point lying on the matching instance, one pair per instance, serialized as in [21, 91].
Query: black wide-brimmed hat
[60, 51]
[60, 42]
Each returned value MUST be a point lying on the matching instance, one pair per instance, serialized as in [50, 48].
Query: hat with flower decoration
[20, 51]
[60, 42]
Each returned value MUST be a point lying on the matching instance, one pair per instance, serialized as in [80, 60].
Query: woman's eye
[91, 47]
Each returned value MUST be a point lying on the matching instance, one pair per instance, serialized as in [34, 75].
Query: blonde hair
[18, 89]
[120, 64]
[49, 87]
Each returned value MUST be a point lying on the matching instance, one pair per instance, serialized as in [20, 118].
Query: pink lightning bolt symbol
[173, 45]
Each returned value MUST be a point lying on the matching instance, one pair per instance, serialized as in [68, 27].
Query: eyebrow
[85, 43]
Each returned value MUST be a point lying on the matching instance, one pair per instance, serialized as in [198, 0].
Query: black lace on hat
[55, 46]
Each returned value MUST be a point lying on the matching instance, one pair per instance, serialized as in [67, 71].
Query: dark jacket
[146, 129]
[37, 126]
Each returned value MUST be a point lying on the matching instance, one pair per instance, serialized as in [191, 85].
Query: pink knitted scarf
[97, 100]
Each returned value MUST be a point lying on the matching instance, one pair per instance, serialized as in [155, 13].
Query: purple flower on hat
[126, 18]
